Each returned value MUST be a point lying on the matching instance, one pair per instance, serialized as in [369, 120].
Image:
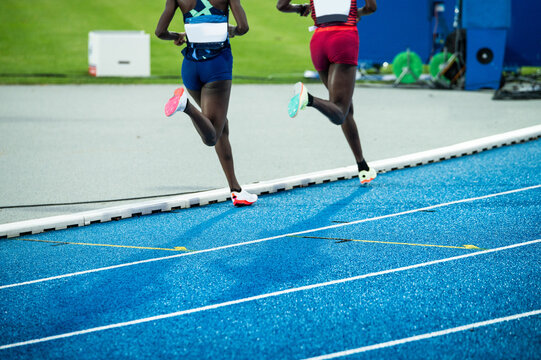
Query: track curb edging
[36, 226]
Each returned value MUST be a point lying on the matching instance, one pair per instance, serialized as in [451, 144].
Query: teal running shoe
[298, 101]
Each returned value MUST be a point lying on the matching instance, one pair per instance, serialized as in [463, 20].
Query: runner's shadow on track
[269, 267]
[188, 236]
[327, 215]
[132, 297]
[250, 270]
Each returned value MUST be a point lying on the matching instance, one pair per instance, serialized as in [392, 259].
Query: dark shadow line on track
[131, 292]
[328, 212]
[208, 223]
[260, 265]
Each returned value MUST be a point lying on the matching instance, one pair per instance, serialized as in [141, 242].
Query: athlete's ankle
[362, 165]
[188, 105]
[310, 100]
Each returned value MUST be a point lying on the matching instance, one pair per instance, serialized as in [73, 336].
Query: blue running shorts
[195, 74]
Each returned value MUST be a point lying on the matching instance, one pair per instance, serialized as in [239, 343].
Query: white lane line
[425, 336]
[267, 239]
[259, 297]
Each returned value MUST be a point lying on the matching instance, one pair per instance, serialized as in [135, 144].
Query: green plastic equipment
[408, 67]
[438, 64]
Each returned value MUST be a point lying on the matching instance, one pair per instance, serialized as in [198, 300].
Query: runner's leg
[214, 102]
[349, 127]
[225, 155]
[340, 81]
[213, 95]
[202, 124]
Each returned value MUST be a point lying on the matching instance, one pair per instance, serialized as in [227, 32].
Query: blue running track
[437, 261]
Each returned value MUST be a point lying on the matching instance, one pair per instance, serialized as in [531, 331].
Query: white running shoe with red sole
[243, 198]
[366, 176]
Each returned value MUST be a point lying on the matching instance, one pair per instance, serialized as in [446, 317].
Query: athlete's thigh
[341, 83]
[324, 76]
[215, 102]
[196, 95]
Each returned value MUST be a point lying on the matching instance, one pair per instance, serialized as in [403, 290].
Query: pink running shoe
[243, 198]
[177, 102]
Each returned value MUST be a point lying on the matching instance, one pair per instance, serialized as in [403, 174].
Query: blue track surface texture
[402, 264]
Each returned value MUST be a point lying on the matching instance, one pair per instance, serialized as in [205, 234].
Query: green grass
[47, 41]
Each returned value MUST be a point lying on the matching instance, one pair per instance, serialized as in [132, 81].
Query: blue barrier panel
[486, 22]
[396, 26]
[524, 37]
[484, 60]
[486, 14]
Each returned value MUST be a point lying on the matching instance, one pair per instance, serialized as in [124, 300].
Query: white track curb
[23, 228]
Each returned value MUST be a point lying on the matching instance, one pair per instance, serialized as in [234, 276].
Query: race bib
[331, 10]
[206, 32]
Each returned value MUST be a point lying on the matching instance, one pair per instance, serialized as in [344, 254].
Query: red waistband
[337, 28]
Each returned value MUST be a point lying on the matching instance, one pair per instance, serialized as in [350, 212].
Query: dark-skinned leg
[340, 81]
[225, 155]
[349, 127]
[214, 102]
[222, 145]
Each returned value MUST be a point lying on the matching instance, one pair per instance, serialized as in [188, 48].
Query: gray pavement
[96, 143]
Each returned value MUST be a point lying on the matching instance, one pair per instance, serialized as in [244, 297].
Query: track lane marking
[262, 296]
[464, 247]
[425, 336]
[176, 248]
[269, 238]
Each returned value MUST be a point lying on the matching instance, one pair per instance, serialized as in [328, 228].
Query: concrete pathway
[97, 143]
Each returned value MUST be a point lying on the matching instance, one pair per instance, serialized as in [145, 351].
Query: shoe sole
[293, 107]
[366, 181]
[242, 203]
[366, 176]
[172, 105]
[295, 103]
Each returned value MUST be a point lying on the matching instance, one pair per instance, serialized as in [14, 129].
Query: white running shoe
[243, 198]
[299, 100]
[366, 176]
[177, 102]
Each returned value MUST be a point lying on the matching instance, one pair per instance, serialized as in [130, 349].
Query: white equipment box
[119, 53]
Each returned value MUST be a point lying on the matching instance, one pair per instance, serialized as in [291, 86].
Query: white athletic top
[331, 10]
[206, 32]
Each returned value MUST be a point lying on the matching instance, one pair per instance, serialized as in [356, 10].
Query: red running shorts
[334, 45]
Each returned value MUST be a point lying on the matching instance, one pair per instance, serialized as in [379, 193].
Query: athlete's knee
[340, 120]
[340, 115]
[210, 140]
[343, 105]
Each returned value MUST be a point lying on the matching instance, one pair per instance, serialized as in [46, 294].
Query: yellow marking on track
[473, 247]
[176, 248]
[181, 248]
[467, 247]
